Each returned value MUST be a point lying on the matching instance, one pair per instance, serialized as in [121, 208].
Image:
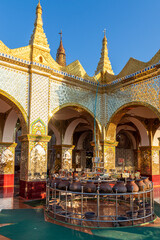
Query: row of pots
[76, 186]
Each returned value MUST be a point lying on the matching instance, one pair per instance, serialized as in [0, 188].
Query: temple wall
[61, 94]
[146, 92]
[15, 83]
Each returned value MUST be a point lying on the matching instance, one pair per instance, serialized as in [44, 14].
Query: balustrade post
[116, 206]
[55, 200]
[144, 210]
[81, 204]
[132, 206]
[98, 203]
[66, 206]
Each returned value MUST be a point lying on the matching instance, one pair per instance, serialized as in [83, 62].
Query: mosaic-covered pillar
[7, 158]
[109, 149]
[150, 162]
[33, 166]
[79, 159]
[138, 166]
[106, 153]
[145, 160]
[63, 157]
[97, 152]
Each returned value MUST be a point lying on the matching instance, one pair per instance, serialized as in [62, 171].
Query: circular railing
[96, 209]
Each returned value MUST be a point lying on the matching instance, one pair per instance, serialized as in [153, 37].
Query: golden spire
[104, 64]
[38, 37]
[61, 56]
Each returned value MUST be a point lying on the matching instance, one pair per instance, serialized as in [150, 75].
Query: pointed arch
[116, 117]
[81, 140]
[75, 105]
[70, 130]
[17, 107]
[9, 127]
[56, 132]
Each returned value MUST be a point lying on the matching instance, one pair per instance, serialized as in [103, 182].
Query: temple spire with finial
[61, 56]
[38, 37]
[104, 64]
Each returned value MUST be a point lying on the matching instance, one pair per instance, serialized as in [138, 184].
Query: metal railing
[121, 204]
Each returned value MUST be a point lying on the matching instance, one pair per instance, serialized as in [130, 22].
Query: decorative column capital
[8, 144]
[109, 143]
[34, 138]
[106, 143]
[64, 146]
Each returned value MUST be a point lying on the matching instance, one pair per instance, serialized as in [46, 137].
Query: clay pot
[147, 182]
[54, 201]
[148, 210]
[141, 213]
[90, 187]
[63, 184]
[132, 215]
[132, 186]
[90, 215]
[105, 188]
[56, 208]
[55, 180]
[142, 186]
[122, 218]
[75, 186]
[120, 186]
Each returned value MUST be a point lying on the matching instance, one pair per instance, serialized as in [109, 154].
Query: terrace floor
[22, 220]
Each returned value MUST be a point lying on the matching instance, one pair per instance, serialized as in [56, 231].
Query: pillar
[150, 163]
[33, 166]
[79, 158]
[108, 153]
[63, 157]
[7, 157]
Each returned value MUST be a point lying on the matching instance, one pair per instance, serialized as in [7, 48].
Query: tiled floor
[10, 200]
[157, 194]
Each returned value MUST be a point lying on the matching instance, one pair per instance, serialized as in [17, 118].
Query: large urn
[120, 187]
[132, 186]
[55, 182]
[142, 186]
[63, 184]
[75, 186]
[147, 182]
[105, 187]
[89, 187]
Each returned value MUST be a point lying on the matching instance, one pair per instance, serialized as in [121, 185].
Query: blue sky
[132, 28]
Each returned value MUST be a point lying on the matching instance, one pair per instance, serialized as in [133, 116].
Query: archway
[72, 125]
[135, 128]
[12, 124]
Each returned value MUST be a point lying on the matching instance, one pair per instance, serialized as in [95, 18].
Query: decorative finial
[60, 35]
[39, 4]
[61, 56]
[104, 32]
